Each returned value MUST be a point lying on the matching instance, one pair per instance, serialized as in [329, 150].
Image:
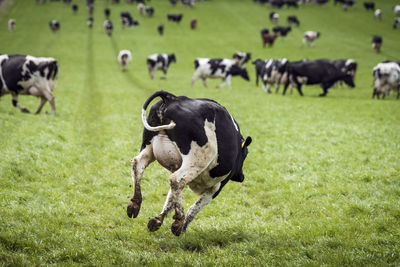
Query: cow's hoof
[322, 95]
[133, 209]
[177, 227]
[24, 110]
[154, 224]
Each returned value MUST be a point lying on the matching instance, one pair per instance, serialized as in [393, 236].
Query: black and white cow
[293, 20]
[124, 58]
[174, 17]
[217, 68]
[347, 66]
[199, 142]
[159, 62]
[54, 25]
[396, 24]
[274, 17]
[109, 27]
[396, 10]
[322, 72]
[149, 11]
[11, 25]
[282, 31]
[90, 22]
[269, 72]
[127, 20]
[377, 43]
[241, 58]
[378, 14]
[386, 78]
[27, 75]
[369, 5]
[310, 37]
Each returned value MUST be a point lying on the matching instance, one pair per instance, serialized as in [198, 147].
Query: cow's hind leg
[15, 104]
[139, 164]
[42, 102]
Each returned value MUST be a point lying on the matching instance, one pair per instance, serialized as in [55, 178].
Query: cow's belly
[205, 182]
[166, 152]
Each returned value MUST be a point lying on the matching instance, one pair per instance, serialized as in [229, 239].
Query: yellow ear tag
[243, 143]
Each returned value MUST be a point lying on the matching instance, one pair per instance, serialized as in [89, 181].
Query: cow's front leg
[165, 74]
[204, 199]
[204, 81]
[42, 102]
[139, 164]
[15, 104]
[225, 80]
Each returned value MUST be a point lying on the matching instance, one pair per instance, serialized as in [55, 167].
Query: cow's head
[239, 176]
[235, 70]
[349, 80]
[171, 58]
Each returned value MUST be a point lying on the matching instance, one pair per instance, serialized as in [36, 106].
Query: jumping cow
[199, 143]
[218, 68]
[159, 62]
[27, 75]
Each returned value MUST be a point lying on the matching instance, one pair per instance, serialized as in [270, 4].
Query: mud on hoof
[24, 110]
[154, 224]
[133, 209]
[177, 226]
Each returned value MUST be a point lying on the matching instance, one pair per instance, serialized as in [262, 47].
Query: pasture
[322, 178]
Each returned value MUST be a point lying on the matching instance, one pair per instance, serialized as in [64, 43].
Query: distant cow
[282, 31]
[124, 58]
[378, 14]
[107, 13]
[276, 3]
[141, 8]
[377, 43]
[293, 20]
[159, 62]
[175, 17]
[160, 29]
[396, 24]
[11, 25]
[268, 39]
[90, 22]
[193, 24]
[27, 75]
[127, 20]
[54, 25]
[310, 37]
[292, 3]
[369, 5]
[74, 8]
[268, 72]
[199, 142]
[348, 3]
[396, 10]
[347, 66]
[241, 58]
[149, 11]
[217, 68]
[322, 72]
[386, 78]
[274, 17]
[109, 27]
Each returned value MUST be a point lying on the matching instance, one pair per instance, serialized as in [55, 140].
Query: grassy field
[322, 180]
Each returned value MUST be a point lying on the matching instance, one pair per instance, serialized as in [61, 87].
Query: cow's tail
[166, 97]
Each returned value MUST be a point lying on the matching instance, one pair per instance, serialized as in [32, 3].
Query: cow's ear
[247, 142]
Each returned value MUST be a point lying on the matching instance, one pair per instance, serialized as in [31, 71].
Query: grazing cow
[347, 66]
[322, 72]
[141, 8]
[27, 75]
[54, 25]
[241, 58]
[11, 25]
[159, 62]
[282, 31]
[386, 78]
[199, 142]
[107, 13]
[396, 24]
[292, 3]
[74, 8]
[174, 17]
[293, 20]
[160, 29]
[124, 58]
[127, 20]
[109, 27]
[274, 17]
[310, 37]
[90, 22]
[193, 24]
[149, 11]
[377, 43]
[369, 5]
[218, 68]
[378, 14]
[396, 10]
[268, 39]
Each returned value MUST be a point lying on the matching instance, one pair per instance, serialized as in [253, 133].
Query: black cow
[199, 142]
[27, 75]
[282, 31]
[347, 66]
[292, 3]
[107, 13]
[159, 62]
[160, 29]
[109, 27]
[54, 25]
[175, 17]
[276, 3]
[321, 71]
[127, 20]
[149, 11]
[218, 68]
[377, 43]
[74, 8]
[293, 20]
[369, 6]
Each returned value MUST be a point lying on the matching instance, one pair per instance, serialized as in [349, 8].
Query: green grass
[322, 180]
